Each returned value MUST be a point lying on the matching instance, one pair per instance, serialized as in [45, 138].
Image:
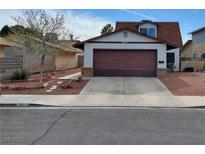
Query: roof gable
[93, 40]
[131, 37]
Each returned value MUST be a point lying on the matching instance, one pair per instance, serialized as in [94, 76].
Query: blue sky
[88, 23]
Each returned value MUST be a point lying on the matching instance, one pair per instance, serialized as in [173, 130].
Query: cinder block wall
[9, 64]
[31, 59]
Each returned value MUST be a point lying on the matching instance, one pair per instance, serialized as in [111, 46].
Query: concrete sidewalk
[71, 76]
[105, 100]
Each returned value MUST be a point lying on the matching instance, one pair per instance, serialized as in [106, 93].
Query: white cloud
[141, 15]
[5, 17]
[185, 38]
[81, 24]
[84, 25]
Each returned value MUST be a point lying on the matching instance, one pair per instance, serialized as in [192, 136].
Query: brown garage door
[125, 63]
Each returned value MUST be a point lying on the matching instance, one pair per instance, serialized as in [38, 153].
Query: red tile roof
[166, 31]
[4, 42]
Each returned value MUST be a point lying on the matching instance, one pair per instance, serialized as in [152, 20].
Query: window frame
[125, 34]
[173, 54]
[147, 30]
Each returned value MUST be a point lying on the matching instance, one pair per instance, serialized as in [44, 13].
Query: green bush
[19, 74]
[171, 66]
[5, 31]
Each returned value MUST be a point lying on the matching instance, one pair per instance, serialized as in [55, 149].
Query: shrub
[5, 31]
[19, 74]
[171, 66]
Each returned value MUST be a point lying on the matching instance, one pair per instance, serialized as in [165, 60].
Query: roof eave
[80, 45]
[197, 31]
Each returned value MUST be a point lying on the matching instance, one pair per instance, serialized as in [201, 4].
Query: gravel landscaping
[51, 86]
[185, 84]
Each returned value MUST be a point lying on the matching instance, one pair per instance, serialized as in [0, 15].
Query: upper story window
[125, 34]
[148, 31]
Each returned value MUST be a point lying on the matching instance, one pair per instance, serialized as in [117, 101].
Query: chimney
[146, 20]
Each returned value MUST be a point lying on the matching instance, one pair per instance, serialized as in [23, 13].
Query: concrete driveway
[125, 86]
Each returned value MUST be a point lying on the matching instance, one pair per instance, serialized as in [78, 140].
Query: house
[57, 57]
[193, 51]
[134, 49]
[63, 60]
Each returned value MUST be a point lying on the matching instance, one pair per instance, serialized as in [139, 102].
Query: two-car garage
[117, 62]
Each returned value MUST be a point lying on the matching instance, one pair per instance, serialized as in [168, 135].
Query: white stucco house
[134, 49]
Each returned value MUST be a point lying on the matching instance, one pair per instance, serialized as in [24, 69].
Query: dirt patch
[51, 85]
[20, 85]
[75, 89]
[185, 84]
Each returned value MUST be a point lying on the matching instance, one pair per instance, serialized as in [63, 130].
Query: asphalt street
[108, 126]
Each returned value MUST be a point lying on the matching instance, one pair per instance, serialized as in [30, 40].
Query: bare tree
[41, 22]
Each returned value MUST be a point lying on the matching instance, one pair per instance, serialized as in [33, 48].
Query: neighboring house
[193, 51]
[133, 49]
[57, 58]
[62, 58]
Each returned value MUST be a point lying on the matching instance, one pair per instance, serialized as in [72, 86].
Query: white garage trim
[160, 47]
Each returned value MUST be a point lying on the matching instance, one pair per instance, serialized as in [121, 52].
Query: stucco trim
[89, 48]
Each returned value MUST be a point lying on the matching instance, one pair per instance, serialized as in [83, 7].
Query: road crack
[50, 127]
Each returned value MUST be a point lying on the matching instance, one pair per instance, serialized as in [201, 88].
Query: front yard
[179, 83]
[185, 84]
[52, 85]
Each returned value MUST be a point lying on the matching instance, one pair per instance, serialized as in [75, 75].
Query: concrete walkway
[71, 76]
[105, 100]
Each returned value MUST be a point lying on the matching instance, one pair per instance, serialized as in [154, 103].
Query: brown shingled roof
[81, 44]
[5, 42]
[166, 31]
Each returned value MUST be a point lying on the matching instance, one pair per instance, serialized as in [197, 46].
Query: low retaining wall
[197, 65]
